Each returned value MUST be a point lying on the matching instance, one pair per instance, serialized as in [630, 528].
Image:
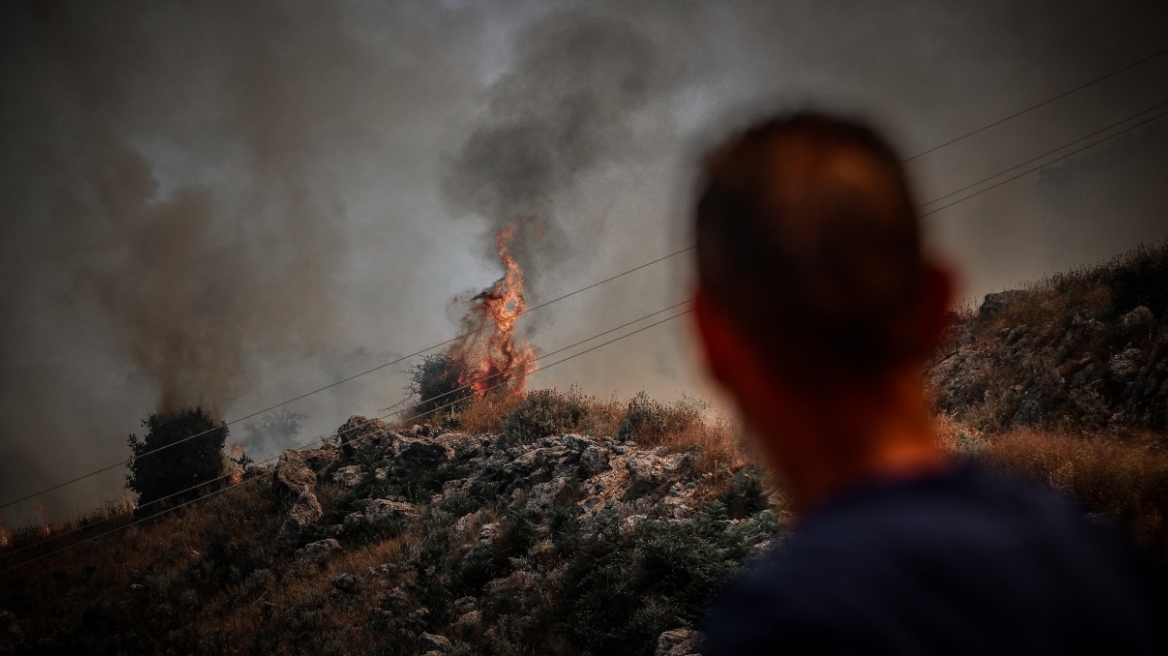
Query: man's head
[812, 282]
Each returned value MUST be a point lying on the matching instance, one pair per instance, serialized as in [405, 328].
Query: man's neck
[850, 439]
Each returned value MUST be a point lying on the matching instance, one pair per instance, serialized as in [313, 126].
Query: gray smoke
[232, 203]
[567, 106]
[168, 206]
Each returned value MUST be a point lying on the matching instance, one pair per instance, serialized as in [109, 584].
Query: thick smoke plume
[567, 107]
[192, 283]
[171, 201]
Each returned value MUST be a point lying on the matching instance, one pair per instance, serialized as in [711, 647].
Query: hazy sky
[233, 203]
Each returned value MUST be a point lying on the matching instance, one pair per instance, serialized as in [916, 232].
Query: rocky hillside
[416, 541]
[551, 523]
[1083, 351]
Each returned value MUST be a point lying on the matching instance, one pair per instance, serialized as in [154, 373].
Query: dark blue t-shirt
[961, 563]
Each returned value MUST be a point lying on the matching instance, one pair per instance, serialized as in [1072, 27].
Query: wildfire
[491, 356]
[46, 528]
[237, 461]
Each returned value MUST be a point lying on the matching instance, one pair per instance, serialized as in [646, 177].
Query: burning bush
[180, 465]
[489, 355]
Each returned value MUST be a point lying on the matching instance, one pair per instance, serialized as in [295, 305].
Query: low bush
[650, 422]
[542, 413]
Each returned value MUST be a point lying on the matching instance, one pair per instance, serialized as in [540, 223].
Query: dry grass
[684, 425]
[1121, 476]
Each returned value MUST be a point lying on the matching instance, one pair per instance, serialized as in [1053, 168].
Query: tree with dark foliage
[180, 465]
[435, 381]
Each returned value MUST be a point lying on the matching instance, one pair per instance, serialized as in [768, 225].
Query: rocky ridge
[514, 530]
[1085, 351]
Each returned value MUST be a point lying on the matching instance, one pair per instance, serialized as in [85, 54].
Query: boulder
[469, 619]
[1124, 366]
[378, 510]
[346, 582]
[648, 471]
[318, 459]
[428, 642]
[414, 456]
[543, 495]
[466, 604]
[348, 476]
[292, 475]
[318, 552]
[994, 303]
[359, 433]
[511, 584]
[593, 461]
[304, 512]
[676, 642]
[489, 536]
[1140, 318]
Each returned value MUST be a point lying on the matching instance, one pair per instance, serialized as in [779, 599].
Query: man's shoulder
[962, 551]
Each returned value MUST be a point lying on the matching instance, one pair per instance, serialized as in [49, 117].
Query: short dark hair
[808, 239]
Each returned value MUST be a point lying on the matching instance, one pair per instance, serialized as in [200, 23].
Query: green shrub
[543, 413]
[622, 588]
[746, 494]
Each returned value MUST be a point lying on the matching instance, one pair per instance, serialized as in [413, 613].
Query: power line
[1041, 104]
[1046, 154]
[606, 280]
[1044, 164]
[342, 381]
[368, 422]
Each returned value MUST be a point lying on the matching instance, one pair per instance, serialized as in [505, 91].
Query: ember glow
[235, 458]
[491, 356]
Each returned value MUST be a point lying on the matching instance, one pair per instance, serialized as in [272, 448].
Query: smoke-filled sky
[231, 203]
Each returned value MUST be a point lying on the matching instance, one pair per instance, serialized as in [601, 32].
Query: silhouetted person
[816, 310]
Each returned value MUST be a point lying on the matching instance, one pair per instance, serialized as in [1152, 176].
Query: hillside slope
[531, 540]
[1082, 351]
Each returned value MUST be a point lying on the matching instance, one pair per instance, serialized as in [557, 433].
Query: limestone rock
[593, 461]
[318, 552]
[378, 510]
[292, 475]
[994, 303]
[1140, 318]
[318, 459]
[413, 456]
[348, 476]
[466, 604]
[1124, 366]
[676, 642]
[489, 536]
[304, 512]
[432, 642]
[469, 618]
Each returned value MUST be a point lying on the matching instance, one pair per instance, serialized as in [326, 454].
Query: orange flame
[5, 536]
[235, 457]
[491, 356]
